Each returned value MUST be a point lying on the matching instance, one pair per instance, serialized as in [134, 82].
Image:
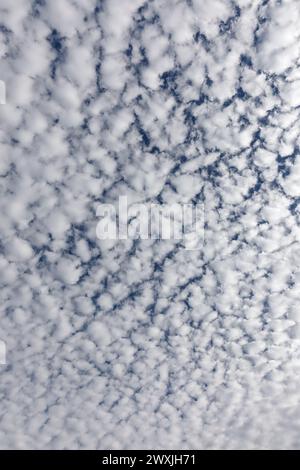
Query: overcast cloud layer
[140, 344]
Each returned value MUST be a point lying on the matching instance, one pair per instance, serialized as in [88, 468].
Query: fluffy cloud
[140, 343]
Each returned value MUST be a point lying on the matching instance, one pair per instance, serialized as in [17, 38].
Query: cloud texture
[137, 343]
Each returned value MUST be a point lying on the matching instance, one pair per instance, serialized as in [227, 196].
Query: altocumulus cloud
[137, 343]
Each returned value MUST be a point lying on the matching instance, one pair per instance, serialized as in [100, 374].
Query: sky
[141, 344]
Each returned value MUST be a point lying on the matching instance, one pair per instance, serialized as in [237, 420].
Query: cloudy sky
[121, 344]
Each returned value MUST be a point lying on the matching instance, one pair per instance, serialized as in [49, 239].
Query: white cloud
[139, 344]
